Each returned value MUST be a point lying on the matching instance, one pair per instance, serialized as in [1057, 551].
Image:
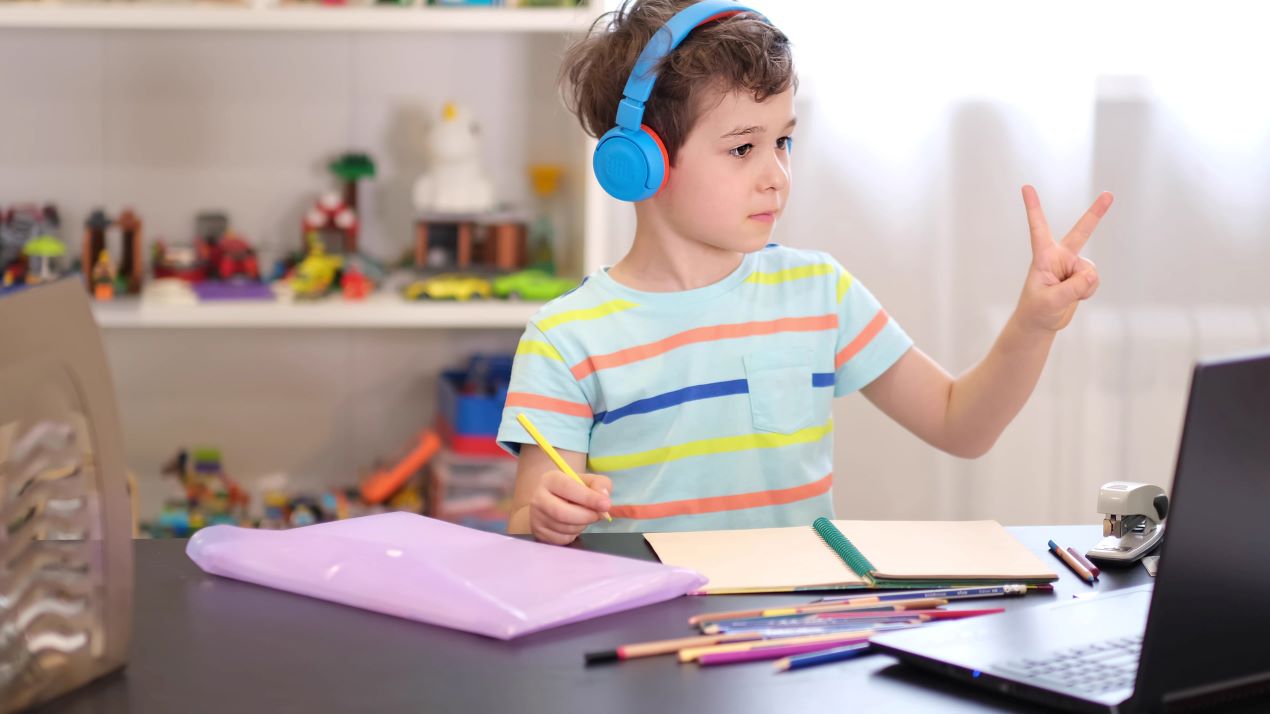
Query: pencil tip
[604, 657]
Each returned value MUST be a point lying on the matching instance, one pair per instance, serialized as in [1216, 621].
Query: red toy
[355, 284]
[217, 254]
[233, 257]
[334, 222]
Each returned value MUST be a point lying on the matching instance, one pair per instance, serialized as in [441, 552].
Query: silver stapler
[1133, 521]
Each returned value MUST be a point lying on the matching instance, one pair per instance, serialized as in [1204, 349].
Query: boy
[690, 384]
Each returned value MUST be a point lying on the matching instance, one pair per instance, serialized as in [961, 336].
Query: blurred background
[230, 134]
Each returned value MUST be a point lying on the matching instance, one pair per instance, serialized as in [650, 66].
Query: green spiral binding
[833, 538]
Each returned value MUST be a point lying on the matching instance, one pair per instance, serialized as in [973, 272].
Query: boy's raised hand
[1059, 277]
[561, 508]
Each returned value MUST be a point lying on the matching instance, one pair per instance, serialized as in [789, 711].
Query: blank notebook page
[755, 557]
[939, 550]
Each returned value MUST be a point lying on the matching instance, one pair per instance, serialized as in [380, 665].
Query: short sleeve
[869, 340]
[543, 387]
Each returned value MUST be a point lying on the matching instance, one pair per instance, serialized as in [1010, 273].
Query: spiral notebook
[841, 555]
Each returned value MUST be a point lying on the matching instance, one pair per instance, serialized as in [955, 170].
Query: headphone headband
[639, 85]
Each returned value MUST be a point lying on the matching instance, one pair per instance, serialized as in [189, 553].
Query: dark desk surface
[208, 644]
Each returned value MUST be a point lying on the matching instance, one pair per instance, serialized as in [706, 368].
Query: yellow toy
[315, 275]
[449, 286]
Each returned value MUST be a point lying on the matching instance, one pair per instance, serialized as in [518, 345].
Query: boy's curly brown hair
[739, 53]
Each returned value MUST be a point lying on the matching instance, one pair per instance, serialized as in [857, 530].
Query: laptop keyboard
[1095, 668]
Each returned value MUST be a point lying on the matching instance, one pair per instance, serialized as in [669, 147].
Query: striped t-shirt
[708, 408]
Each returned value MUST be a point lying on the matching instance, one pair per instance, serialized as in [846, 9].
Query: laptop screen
[1210, 620]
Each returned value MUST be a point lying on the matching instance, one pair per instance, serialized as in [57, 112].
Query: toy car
[450, 286]
[532, 285]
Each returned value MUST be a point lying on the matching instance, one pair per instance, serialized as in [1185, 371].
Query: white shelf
[379, 311]
[212, 16]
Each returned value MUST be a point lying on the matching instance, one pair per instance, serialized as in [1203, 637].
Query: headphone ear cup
[630, 166]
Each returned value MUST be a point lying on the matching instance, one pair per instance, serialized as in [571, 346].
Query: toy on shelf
[217, 253]
[43, 259]
[448, 287]
[380, 485]
[455, 182]
[350, 168]
[219, 265]
[129, 268]
[211, 496]
[318, 273]
[545, 180]
[463, 241]
[19, 225]
[103, 277]
[532, 285]
[334, 223]
[354, 283]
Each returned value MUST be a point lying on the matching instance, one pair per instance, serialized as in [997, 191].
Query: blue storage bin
[479, 412]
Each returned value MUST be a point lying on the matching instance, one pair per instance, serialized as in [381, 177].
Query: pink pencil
[763, 653]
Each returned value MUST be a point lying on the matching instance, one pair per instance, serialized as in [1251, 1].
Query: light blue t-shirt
[708, 408]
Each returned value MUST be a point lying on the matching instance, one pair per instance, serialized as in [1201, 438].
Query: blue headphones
[630, 160]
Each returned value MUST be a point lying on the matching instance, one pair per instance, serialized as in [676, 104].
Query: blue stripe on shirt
[694, 393]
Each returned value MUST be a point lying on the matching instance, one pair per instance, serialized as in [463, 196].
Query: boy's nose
[775, 173]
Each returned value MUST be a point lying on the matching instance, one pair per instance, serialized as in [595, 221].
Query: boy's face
[731, 177]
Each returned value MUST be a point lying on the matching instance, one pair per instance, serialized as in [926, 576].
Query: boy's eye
[741, 150]
[785, 143]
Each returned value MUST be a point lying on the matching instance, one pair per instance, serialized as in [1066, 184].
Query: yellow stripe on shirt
[844, 282]
[705, 447]
[783, 276]
[538, 347]
[590, 313]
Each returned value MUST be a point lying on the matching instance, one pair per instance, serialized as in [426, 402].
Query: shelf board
[215, 16]
[379, 311]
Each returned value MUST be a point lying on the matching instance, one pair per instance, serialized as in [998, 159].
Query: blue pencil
[945, 593]
[758, 623]
[812, 659]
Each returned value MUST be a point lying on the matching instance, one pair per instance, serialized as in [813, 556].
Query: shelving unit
[377, 312]
[174, 109]
[224, 16]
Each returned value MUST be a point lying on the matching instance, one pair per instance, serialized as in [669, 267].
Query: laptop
[1200, 636]
[66, 534]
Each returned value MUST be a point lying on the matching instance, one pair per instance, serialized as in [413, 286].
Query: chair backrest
[66, 577]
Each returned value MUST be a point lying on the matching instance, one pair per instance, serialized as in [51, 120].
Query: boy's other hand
[562, 508]
[1059, 277]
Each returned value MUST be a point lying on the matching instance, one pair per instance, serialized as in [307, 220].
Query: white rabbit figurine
[455, 182]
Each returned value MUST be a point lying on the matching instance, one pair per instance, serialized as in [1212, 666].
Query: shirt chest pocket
[780, 390]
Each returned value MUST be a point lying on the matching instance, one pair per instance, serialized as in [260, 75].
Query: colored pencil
[756, 623]
[812, 659]
[945, 593]
[1071, 563]
[691, 654]
[552, 453]
[765, 653]
[1093, 569]
[660, 647]
[826, 607]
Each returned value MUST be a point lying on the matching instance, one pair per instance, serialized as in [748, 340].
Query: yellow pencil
[552, 453]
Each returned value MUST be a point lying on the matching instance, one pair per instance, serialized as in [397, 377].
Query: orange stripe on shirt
[694, 506]
[861, 340]
[549, 404]
[702, 334]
